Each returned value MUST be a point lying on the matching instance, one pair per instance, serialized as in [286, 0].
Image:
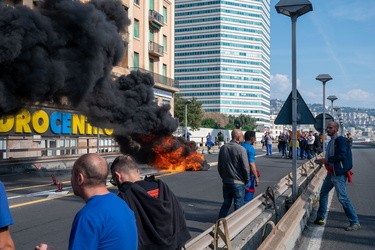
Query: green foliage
[243, 122]
[194, 112]
[209, 123]
[230, 126]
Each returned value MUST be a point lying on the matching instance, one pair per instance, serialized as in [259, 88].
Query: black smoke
[66, 48]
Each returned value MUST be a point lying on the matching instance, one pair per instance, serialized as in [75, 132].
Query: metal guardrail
[287, 231]
[249, 213]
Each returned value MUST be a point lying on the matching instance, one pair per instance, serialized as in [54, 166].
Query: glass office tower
[222, 55]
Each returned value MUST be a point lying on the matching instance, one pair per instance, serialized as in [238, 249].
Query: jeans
[235, 192]
[283, 150]
[269, 149]
[339, 183]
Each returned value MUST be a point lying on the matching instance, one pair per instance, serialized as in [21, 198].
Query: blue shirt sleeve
[5, 215]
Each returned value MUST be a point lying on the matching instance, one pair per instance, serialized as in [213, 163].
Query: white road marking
[317, 233]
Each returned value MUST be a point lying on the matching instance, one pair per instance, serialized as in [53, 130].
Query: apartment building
[151, 45]
[223, 55]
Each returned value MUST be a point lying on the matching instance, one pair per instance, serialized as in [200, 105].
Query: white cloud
[281, 86]
[357, 98]
[358, 95]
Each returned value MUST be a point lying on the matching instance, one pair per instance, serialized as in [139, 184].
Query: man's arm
[245, 164]
[6, 241]
[253, 170]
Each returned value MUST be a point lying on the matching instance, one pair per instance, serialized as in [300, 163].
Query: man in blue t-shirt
[254, 176]
[6, 219]
[106, 221]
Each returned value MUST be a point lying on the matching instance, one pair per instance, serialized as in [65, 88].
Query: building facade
[150, 46]
[222, 55]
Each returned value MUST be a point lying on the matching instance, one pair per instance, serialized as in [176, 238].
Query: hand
[43, 246]
[257, 182]
[321, 161]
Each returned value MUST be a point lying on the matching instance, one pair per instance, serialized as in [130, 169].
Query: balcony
[155, 49]
[159, 78]
[156, 19]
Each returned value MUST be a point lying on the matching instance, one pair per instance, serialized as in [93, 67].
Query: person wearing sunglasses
[159, 216]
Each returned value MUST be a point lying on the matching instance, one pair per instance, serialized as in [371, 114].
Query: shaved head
[93, 167]
[236, 133]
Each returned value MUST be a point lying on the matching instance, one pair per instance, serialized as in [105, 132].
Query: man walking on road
[338, 162]
[233, 167]
[106, 221]
[254, 178]
[159, 216]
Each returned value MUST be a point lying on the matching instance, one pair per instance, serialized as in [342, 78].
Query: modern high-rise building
[222, 55]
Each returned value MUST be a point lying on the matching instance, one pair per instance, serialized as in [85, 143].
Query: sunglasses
[112, 181]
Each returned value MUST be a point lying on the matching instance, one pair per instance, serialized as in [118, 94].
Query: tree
[243, 122]
[220, 119]
[194, 113]
[209, 123]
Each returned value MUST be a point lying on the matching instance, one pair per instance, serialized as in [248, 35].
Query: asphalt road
[41, 216]
[333, 236]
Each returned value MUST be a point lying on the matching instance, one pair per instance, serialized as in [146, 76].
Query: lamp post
[294, 9]
[332, 98]
[186, 102]
[324, 78]
[340, 123]
[336, 108]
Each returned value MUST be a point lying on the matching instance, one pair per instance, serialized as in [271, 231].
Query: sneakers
[353, 227]
[319, 222]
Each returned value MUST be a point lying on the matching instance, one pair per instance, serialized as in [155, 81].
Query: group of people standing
[308, 144]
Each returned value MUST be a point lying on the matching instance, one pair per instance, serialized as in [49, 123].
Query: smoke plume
[66, 48]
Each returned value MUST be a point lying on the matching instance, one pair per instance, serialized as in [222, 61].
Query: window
[136, 61]
[136, 28]
[151, 35]
[164, 78]
[164, 43]
[151, 4]
[136, 2]
[151, 65]
[164, 14]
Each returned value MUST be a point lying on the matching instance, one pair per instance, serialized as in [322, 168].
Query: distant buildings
[222, 55]
[360, 123]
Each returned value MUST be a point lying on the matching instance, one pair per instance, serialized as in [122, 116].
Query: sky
[336, 38]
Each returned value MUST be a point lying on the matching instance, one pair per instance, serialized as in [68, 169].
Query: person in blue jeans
[268, 140]
[233, 168]
[338, 162]
[254, 176]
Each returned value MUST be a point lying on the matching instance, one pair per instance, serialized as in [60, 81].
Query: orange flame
[175, 154]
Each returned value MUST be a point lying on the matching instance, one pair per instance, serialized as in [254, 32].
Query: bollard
[59, 187]
[54, 179]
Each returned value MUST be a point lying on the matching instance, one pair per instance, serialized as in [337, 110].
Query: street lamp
[186, 102]
[294, 9]
[324, 78]
[340, 122]
[332, 98]
[336, 108]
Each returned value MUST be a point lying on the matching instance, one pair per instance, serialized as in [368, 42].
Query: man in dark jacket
[233, 167]
[159, 216]
[338, 162]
